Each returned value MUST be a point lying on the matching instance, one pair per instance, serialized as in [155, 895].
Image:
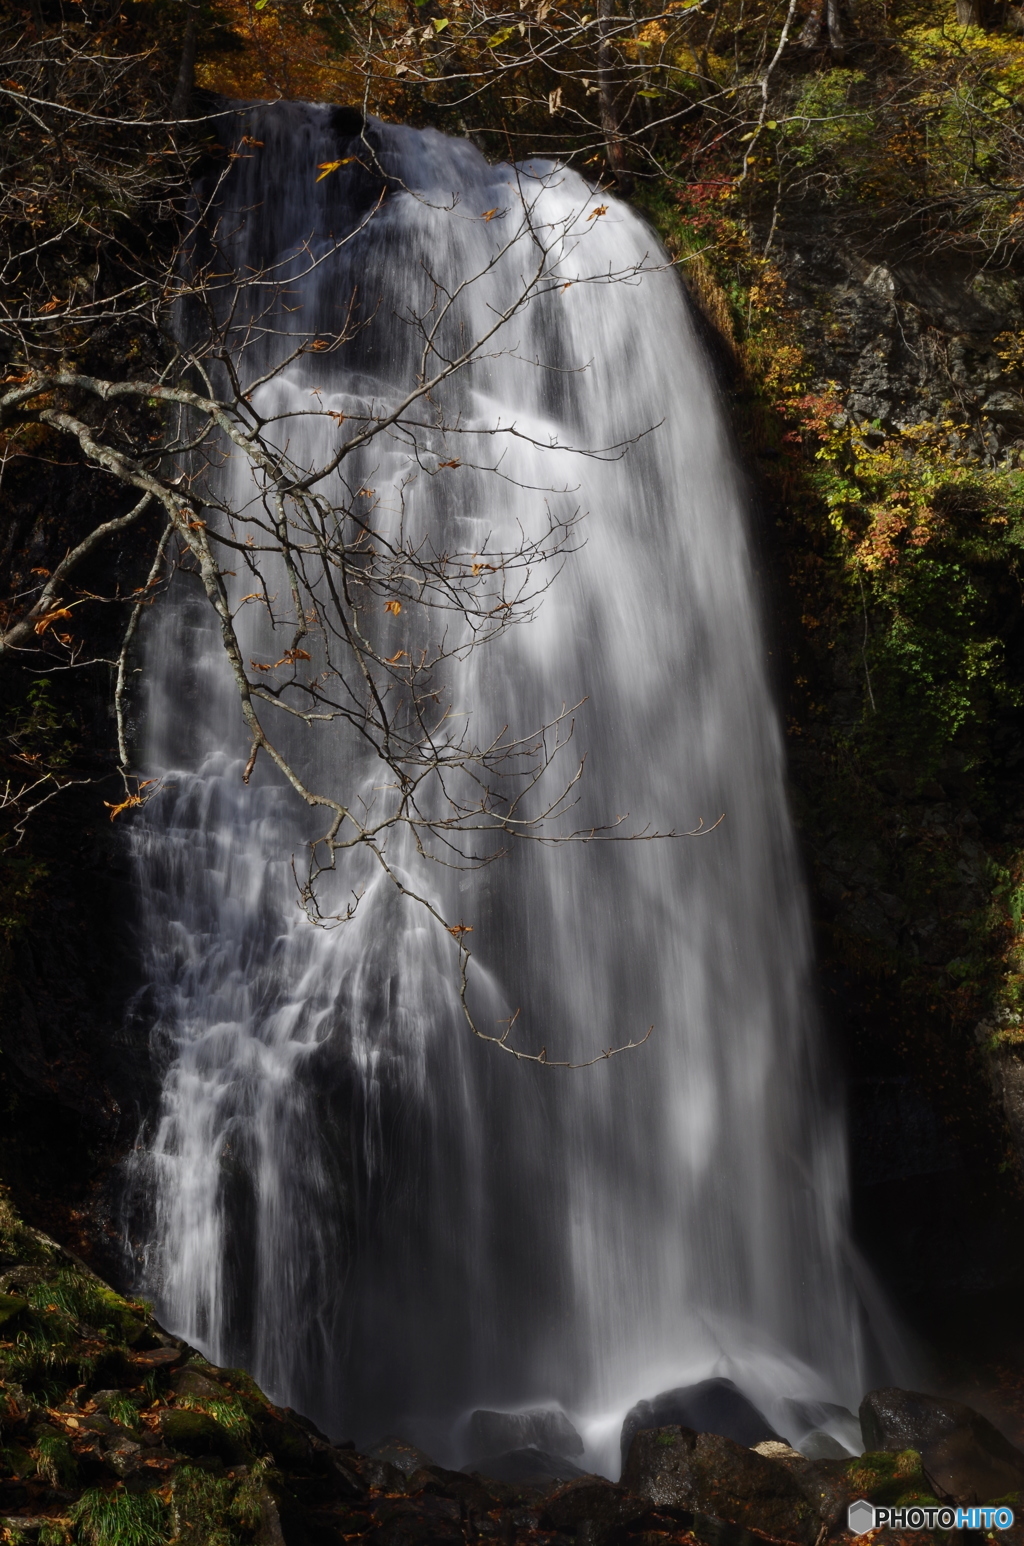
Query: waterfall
[387, 1220]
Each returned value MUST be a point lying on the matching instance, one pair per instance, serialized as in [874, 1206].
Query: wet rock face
[910, 340]
[594, 1502]
[403, 1456]
[708, 1474]
[712, 1406]
[530, 1466]
[963, 1454]
[493, 1433]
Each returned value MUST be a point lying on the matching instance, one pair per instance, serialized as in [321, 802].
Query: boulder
[592, 1508]
[156, 1358]
[526, 1467]
[197, 1434]
[431, 1521]
[269, 1530]
[399, 1453]
[299, 1418]
[125, 1456]
[191, 1382]
[548, 1429]
[706, 1473]
[381, 1475]
[817, 1445]
[830, 1486]
[963, 1454]
[289, 1444]
[713, 1406]
[802, 1418]
[468, 1491]
[347, 1477]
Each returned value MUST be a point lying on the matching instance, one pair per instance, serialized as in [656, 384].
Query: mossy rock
[197, 1434]
[884, 1477]
[286, 1441]
[198, 1386]
[55, 1463]
[109, 1368]
[10, 1306]
[18, 1461]
[243, 1387]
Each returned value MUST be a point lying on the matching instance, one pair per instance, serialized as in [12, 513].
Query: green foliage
[53, 1342]
[80, 1297]
[40, 731]
[53, 1532]
[231, 1415]
[21, 877]
[119, 1518]
[55, 1463]
[247, 1505]
[826, 119]
[124, 1411]
[202, 1509]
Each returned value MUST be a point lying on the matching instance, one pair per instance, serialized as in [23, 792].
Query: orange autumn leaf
[394, 607]
[287, 659]
[126, 804]
[325, 168]
[51, 617]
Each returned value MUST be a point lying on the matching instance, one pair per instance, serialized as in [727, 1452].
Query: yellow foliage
[652, 36]
[283, 55]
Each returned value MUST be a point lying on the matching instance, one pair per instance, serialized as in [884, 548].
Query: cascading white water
[389, 1222]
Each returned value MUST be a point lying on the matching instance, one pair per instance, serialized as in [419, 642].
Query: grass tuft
[119, 1518]
[56, 1464]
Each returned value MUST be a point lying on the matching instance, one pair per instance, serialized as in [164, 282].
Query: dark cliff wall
[72, 1079]
[878, 405]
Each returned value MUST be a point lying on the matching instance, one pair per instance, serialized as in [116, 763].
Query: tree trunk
[810, 33]
[836, 44]
[606, 99]
[181, 102]
[969, 12]
[825, 22]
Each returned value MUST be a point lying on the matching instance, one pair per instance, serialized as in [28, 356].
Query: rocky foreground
[114, 1434]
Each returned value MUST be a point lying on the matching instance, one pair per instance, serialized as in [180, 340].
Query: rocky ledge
[113, 1433]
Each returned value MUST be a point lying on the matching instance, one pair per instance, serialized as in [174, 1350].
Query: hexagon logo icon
[860, 1516]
